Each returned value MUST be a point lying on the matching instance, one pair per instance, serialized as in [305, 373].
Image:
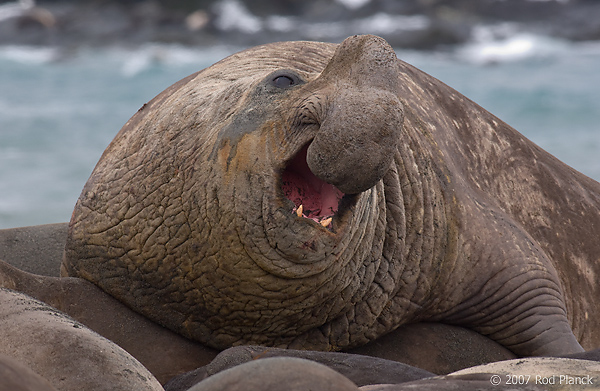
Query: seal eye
[284, 79]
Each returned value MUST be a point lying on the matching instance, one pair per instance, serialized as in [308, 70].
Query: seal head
[238, 206]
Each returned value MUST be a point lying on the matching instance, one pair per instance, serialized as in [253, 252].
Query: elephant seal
[36, 249]
[361, 370]
[100, 312]
[435, 347]
[15, 376]
[276, 373]
[64, 352]
[317, 196]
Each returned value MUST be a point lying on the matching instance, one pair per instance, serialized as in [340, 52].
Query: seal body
[64, 352]
[15, 376]
[36, 249]
[86, 303]
[413, 344]
[318, 196]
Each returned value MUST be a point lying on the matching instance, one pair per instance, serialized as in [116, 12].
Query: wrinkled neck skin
[301, 285]
[299, 273]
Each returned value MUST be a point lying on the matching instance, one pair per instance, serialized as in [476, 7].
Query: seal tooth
[299, 211]
[326, 222]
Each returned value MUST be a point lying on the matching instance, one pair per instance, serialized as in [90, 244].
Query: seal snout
[361, 124]
[313, 198]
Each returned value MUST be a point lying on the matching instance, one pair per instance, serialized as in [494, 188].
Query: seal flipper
[510, 290]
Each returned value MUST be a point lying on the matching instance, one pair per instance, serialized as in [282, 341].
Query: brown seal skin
[440, 211]
[435, 347]
[36, 249]
[277, 373]
[361, 370]
[65, 352]
[14, 376]
[138, 335]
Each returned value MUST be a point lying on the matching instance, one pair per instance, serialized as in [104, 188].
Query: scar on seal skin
[439, 211]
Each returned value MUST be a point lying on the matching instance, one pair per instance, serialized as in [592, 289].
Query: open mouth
[313, 198]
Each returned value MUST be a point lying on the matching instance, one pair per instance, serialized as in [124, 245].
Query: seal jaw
[313, 198]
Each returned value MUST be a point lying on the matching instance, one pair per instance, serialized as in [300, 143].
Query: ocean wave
[353, 4]
[151, 56]
[148, 56]
[29, 55]
[129, 61]
[506, 42]
[15, 9]
[489, 45]
[233, 16]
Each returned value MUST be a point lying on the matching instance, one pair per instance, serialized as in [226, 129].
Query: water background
[59, 110]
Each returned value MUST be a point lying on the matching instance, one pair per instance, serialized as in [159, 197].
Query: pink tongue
[319, 199]
[316, 202]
